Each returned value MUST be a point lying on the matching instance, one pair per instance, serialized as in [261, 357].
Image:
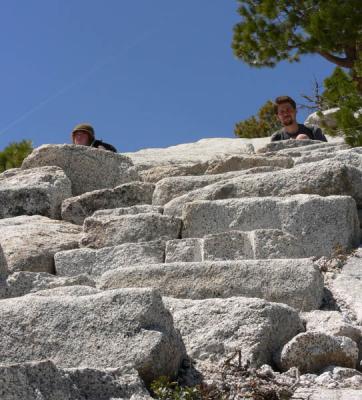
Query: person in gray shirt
[285, 109]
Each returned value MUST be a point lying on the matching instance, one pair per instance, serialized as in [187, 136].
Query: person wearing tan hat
[83, 134]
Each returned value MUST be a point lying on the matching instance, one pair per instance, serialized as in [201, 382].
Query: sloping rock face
[348, 285]
[129, 229]
[39, 191]
[325, 178]
[214, 328]
[313, 351]
[29, 243]
[133, 325]
[87, 168]
[202, 260]
[297, 283]
[44, 380]
[318, 224]
[190, 153]
[76, 209]
[97, 262]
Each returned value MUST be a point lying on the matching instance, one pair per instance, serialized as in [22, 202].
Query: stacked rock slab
[87, 168]
[29, 242]
[132, 325]
[295, 282]
[232, 249]
[318, 224]
[325, 178]
[76, 209]
[38, 191]
[44, 380]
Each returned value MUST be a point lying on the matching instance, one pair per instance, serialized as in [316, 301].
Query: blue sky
[144, 73]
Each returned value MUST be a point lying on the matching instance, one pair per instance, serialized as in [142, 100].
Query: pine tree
[264, 124]
[13, 155]
[274, 30]
[341, 91]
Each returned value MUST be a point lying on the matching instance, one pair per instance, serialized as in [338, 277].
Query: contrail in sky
[75, 82]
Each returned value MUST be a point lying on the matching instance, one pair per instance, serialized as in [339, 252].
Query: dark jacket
[312, 131]
[107, 146]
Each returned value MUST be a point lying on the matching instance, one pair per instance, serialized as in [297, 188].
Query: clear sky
[144, 73]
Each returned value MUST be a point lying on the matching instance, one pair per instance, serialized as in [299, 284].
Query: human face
[286, 114]
[81, 137]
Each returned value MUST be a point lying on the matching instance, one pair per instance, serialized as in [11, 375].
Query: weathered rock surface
[348, 284]
[244, 162]
[327, 117]
[298, 145]
[96, 262]
[170, 188]
[237, 245]
[76, 209]
[198, 152]
[325, 178]
[313, 351]
[21, 283]
[212, 329]
[184, 250]
[318, 224]
[297, 283]
[30, 242]
[327, 394]
[44, 380]
[143, 227]
[155, 174]
[36, 191]
[88, 168]
[106, 330]
[332, 323]
[116, 212]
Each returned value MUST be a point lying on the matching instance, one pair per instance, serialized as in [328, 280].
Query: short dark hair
[284, 99]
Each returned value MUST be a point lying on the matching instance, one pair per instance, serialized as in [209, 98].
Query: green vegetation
[164, 389]
[341, 91]
[274, 30]
[264, 124]
[13, 155]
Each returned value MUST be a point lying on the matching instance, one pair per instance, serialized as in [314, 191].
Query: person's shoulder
[99, 143]
[316, 132]
[277, 135]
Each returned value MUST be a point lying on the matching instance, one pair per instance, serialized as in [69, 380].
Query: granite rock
[38, 191]
[348, 284]
[297, 283]
[143, 227]
[190, 153]
[44, 380]
[170, 188]
[313, 351]
[87, 168]
[318, 224]
[21, 283]
[96, 262]
[111, 329]
[76, 209]
[332, 323]
[324, 178]
[212, 329]
[244, 162]
[116, 212]
[30, 242]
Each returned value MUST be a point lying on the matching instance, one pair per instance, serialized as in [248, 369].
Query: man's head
[83, 134]
[285, 109]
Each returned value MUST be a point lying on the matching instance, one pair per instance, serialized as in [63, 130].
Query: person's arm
[275, 136]
[318, 135]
